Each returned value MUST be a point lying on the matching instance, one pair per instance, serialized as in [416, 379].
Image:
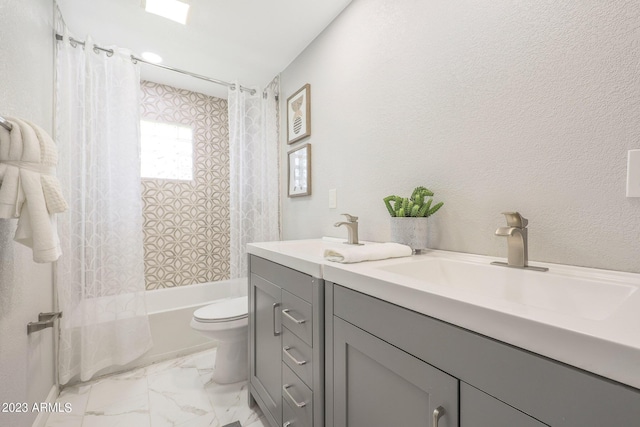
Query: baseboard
[41, 419]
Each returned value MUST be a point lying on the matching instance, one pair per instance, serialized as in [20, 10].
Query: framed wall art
[300, 171]
[299, 114]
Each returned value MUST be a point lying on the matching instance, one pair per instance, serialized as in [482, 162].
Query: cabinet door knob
[275, 308]
[437, 413]
[286, 313]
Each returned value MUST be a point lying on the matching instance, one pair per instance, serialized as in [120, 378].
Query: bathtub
[170, 311]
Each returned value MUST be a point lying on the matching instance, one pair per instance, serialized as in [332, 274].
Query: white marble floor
[176, 393]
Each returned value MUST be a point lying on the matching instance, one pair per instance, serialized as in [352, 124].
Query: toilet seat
[227, 310]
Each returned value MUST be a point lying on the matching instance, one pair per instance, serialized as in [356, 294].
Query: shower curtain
[100, 276]
[253, 154]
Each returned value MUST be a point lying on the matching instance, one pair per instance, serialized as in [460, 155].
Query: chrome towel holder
[5, 124]
[45, 320]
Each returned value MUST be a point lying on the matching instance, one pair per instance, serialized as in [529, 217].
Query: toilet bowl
[226, 321]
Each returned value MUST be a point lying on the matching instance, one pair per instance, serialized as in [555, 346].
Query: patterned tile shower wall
[186, 223]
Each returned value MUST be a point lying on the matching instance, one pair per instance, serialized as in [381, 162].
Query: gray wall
[496, 106]
[26, 90]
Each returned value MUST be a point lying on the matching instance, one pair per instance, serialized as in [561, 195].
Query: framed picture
[300, 171]
[299, 115]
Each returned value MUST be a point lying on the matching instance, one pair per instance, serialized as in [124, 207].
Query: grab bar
[45, 320]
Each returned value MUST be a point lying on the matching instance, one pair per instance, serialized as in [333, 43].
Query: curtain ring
[233, 86]
[133, 59]
[110, 53]
[73, 43]
[95, 49]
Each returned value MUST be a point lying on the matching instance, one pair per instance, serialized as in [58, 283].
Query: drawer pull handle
[286, 313]
[275, 307]
[286, 391]
[437, 413]
[296, 361]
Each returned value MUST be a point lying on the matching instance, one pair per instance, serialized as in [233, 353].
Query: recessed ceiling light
[151, 57]
[170, 9]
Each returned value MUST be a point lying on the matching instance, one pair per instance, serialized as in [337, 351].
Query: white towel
[368, 252]
[29, 189]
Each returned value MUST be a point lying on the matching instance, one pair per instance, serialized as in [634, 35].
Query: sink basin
[569, 294]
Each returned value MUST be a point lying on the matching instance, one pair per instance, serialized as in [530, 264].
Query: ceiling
[245, 40]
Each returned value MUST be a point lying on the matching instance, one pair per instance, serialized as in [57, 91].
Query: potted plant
[409, 217]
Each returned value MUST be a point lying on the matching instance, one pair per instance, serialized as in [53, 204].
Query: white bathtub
[170, 311]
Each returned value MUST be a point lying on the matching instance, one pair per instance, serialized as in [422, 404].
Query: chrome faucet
[517, 243]
[352, 228]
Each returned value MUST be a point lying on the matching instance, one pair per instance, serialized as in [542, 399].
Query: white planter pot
[409, 231]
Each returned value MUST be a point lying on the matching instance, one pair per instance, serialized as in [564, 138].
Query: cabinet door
[478, 409]
[265, 344]
[379, 385]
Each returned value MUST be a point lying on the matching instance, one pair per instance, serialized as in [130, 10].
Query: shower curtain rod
[135, 59]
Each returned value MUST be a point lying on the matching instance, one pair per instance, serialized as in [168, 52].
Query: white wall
[496, 106]
[26, 90]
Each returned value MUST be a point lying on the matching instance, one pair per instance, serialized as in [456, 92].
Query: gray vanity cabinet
[265, 329]
[379, 385]
[481, 410]
[286, 344]
[387, 366]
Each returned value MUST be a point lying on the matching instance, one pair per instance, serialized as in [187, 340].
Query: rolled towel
[369, 252]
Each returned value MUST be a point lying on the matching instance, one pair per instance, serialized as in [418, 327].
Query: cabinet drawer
[293, 281]
[297, 316]
[289, 417]
[298, 396]
[294, 348]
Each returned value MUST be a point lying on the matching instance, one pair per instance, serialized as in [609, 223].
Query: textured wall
[26, 288]
[186, 223]
[496, 106]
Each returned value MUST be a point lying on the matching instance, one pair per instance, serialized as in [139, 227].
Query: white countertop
[302, 255]
[607, 344]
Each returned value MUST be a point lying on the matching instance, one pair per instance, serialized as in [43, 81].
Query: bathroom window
[167, 151]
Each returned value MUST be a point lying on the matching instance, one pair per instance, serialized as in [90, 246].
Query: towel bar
[5, 124]
[45, 320]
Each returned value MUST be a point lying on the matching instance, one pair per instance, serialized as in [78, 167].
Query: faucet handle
[350, 218]
[514, 219]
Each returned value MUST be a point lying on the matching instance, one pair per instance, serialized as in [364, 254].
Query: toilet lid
[223, 311]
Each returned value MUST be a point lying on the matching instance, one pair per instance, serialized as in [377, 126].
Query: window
[167, 151]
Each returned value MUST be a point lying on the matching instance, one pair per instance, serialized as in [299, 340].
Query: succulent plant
[418, 205]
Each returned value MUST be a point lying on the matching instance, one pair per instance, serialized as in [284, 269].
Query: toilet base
[231, 365]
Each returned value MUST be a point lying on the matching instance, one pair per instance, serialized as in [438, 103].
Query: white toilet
[226, 321]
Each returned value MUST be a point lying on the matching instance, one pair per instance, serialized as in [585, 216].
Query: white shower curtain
[100, 276]
[253, 154]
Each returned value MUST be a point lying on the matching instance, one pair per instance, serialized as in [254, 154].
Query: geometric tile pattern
[186, 223]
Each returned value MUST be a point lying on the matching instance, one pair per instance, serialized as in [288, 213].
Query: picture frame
[299, 171]
[299, 114]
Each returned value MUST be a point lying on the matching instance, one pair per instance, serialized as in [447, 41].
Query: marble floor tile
[111, 390]
[64, 420]
[172, 393]
[203, 361]
[208, 420]
[176, 396]
[230, 402]
[261, 422]
[132, 419]
[76, 396]
[138, 404]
